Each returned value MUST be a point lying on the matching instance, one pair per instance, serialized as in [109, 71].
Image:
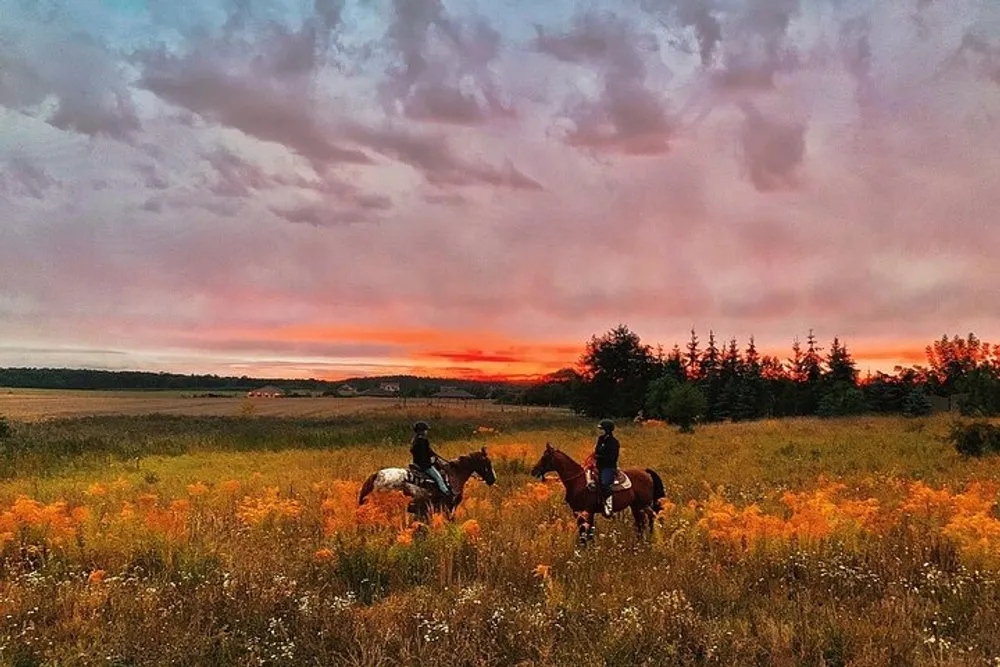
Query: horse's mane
[466, 458]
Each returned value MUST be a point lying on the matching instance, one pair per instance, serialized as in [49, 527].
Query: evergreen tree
[796, 363]
[812, 363]
[840, 365]
[809, 389]
[711, 378]
[711, 359]
[693, 357]
[616, 371]
[730, 373]
[750, 399]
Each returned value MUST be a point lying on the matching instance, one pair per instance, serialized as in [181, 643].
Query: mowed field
[236, 539]
[34, 404]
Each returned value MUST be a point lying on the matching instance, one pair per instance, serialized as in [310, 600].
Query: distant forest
[66, 378]
[710, 381]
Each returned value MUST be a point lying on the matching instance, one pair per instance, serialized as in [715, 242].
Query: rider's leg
[435, 474]
[607, 479]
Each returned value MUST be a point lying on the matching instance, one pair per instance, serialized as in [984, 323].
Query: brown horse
[426, 497]
[643, 498]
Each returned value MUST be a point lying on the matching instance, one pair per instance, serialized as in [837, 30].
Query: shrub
[684, 406]
[5, 429]
[841, 401]
[916, 403]
[976, 438]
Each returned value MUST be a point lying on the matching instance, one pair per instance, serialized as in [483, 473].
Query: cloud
[627, 116]
[66, 77]
[452, 168]
[444, 74]
[346, 206]
[21, 177]
[432, 156]
[980, 55]
[772, 150]
[698, 15]
[200, 82]
[755, 46]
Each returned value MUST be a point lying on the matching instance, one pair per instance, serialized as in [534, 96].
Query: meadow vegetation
[238, 541]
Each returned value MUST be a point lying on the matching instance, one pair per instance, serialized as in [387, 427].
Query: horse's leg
[367, 488]
[640, 519]
[585, 526]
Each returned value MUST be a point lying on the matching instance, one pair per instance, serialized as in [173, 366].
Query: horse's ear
[483, 450]
[548, 446]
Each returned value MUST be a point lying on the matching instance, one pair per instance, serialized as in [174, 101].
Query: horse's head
[482, 466]
[545, 464]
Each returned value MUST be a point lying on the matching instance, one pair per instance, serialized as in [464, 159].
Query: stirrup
[609, 506]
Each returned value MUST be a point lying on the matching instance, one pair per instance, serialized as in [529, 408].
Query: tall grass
[50, 446]
[801, 542]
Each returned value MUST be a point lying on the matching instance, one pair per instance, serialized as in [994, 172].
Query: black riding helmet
[606, 425]
[420, 427]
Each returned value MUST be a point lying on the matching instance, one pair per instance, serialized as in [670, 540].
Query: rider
[606, 458]
[424, 457]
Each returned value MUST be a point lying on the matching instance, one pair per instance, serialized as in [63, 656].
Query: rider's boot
[609, 504]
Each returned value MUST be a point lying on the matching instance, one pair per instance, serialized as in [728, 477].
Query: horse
[426, 497]
[643, 497]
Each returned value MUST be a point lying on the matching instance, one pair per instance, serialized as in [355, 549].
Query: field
[34, 404]
[235, 539]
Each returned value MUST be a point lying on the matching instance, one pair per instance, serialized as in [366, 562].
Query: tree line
[618, 375]
[70, 378]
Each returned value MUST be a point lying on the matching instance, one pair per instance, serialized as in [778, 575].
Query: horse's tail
[659, 493]
[367, 488]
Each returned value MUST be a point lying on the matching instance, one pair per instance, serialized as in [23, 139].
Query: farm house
[268, 391]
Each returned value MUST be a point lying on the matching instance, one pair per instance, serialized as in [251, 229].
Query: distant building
[946, 403]
[346, 391]
[269, 391]
[389, 387]
[454, 394]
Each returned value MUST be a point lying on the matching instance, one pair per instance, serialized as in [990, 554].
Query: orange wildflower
[197, 489]
[255, 511]
[121, 484]
[323, 555]
[96, 577]
[96, 490]
[471, 529]
[230, 487]
[405, 537]
[542, 571]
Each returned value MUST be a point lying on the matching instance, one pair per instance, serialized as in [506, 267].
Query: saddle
[621, 483]
[418, 477]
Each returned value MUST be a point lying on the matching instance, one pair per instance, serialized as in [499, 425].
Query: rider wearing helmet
[424, 457]
[606, 459]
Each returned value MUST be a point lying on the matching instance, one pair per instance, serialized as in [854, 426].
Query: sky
[329, 188]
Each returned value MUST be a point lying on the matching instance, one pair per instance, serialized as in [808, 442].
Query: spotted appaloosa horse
[643, 497]
[426, 497]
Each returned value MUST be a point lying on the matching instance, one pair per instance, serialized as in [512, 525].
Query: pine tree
[749, 401]
[691, 361]
[711, 359]
[812, 364]
[796, 363]
[710, 373]
[729, 380]
[841, 368]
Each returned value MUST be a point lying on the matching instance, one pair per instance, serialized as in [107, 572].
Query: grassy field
[236, 540]
[35, 404]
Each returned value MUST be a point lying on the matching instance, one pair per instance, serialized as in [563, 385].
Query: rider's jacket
[422, 453]
[606, 451]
